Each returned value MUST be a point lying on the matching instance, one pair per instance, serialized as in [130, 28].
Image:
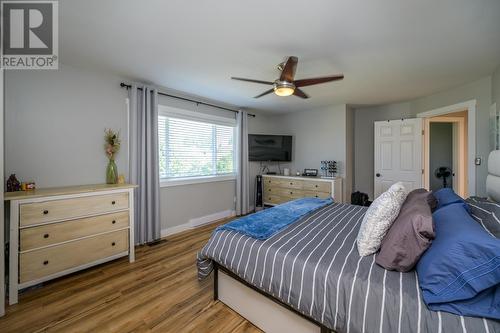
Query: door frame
[461, 167]
[470, 107]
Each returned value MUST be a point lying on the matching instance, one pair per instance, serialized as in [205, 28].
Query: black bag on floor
[360, 199]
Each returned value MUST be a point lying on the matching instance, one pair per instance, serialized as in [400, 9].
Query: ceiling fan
[286, 85]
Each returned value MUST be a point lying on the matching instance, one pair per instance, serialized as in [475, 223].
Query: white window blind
[195, 148]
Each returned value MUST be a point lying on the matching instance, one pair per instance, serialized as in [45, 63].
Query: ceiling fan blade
[288, 72]
[299, 93]
[317, 80]
[265, 93]
[252, 80]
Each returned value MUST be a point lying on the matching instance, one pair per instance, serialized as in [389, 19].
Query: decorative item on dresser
[57, 231]
[279, 189]
[111, 146]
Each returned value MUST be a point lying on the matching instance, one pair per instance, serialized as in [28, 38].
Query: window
[194, 146]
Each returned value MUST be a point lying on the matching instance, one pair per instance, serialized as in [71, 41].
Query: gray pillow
[379, 218]
[410, 235]
[486, 213]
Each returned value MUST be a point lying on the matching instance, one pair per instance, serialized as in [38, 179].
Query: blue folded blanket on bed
[264, 224]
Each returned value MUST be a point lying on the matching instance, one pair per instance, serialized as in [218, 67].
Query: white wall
[480, 90]
[54, 128]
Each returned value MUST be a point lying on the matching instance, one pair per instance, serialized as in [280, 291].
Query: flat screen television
[276, 148]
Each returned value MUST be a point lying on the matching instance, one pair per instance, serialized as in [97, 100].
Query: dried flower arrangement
[112, 144]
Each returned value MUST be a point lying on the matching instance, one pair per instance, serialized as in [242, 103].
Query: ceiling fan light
[284, 88]
[284, 91]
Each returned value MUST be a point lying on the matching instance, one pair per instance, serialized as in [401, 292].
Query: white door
[398, 154]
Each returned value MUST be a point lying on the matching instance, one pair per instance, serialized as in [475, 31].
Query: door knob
[378, 174]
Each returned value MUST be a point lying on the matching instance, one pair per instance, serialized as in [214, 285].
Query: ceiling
[388, 50]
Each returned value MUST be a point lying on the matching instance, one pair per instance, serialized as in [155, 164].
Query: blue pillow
[460, 272]
[446, 196]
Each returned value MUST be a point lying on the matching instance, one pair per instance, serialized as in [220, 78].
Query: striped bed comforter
[313, 265]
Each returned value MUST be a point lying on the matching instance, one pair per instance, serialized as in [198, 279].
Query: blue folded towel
[264, 224]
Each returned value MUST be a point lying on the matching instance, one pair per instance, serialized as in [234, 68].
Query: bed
[313, 270]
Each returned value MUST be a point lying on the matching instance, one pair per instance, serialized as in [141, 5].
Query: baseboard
[197, 222]
[175, 230]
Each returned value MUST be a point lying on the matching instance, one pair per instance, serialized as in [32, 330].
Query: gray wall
[495, 96]
[319, 134]
[480, 90]
[2, 228]
[441, 152]
[363, 140]
[54, 127]
[265, 124]
[495, 87]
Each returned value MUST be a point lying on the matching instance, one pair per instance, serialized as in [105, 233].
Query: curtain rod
[127, 86]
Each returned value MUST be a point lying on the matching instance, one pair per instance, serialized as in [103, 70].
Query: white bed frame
[261, 309]
[270, 314]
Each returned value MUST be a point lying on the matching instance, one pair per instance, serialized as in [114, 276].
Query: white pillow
[379, 218]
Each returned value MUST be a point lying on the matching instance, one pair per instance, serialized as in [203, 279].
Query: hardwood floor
[157, 293]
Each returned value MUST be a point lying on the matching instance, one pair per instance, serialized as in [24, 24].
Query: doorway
[445, 152]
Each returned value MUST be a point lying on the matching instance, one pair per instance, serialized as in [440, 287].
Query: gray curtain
[242, 181]
[144, 166]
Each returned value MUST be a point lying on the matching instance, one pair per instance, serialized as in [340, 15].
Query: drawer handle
[316, 186]
[113, 202]
[316, 196]
[113, 244]
[46, 262]
[291, 183]
[46, 236]
[45, 212]
[291, 192]
[113, 222]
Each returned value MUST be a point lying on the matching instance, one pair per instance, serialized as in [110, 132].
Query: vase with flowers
[111, 147]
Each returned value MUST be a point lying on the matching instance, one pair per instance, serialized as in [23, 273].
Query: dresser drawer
[56, 210]
[314, 194]
[291, 183]
[282, 182]
[290, 193]
[43, 262]
[312, 185]
[49, 234]
[272, 182]
[275, 199]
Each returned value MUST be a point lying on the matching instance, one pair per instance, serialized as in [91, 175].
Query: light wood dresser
[279, 189]
[58, 231]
